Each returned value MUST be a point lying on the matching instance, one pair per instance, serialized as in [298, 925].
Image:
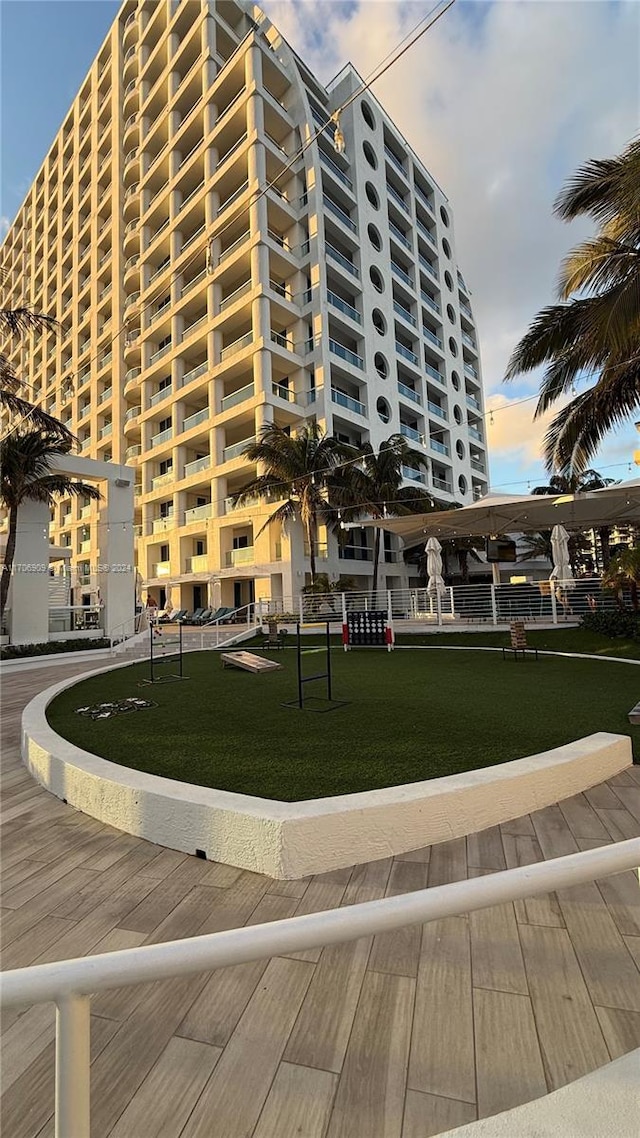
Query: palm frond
[603, 188]
[17, 321]
[575, 434]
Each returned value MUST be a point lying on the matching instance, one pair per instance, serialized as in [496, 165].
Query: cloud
[511, 429]
[502, 101]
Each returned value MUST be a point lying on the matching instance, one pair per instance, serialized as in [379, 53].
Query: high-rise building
[211, 275]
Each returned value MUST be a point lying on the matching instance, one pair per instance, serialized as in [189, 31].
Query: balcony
[413, 475]
[192, 327]
[234, 246]
[407, 354]
[434, 373]
[355, 553]
[441, 448]
[160, 396]
[236, 397]
[399, 165]
[427, 234]
[237, 449]
[283, 392]
[195, 373]
[431, 337]
[244, 556]
[437, 410]
[198, 514]
[442, 484]
[346, 354]
[477, 465]
[160, 353]
[132, 413]
[423, 198]
[473, 402]
[198, 465]
[400, 272]
[195, 420]
[343, 400]
[161, 569]
[162, 437]
[132, 452]
[342, 305]
[162, 525]
[469, 370]
[340, 258]
[342, 216]
[403, 312]
[237, 293]
[162, 480]
[237, 346]
[105, 431]
[430, 302]
[428, 267]
[410, 433]
[399, 236]
[469, 341]
[335, 169]
[465, 308]
[409, 393]
[397, 198]
[197, 564]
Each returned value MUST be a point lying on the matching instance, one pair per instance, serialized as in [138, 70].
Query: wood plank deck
[397, 1036]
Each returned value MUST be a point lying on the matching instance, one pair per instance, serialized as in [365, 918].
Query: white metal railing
[70, 984]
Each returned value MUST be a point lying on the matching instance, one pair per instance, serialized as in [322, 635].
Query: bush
[613, 623]
[51, 648]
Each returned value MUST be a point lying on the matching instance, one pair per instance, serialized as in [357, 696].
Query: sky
[501, 99]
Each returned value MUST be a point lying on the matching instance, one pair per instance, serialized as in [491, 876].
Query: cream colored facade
[196, 308]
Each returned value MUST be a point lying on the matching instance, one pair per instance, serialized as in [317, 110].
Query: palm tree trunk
[9, 555]
[311, 542]
[376, 562]
[604, 533]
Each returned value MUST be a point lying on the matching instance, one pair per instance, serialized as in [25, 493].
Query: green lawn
[411, 715]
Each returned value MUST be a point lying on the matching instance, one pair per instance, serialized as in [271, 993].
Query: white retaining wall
[290, 840]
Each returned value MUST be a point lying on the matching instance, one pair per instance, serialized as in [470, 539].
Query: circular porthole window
[455, 379]
[383, 409]
[367, 115]
[462, 484]
[457, 414]
[451, 314]
[370, 155]
[374, 237]
[379, 322]
[381, 365]
[376, 279]
[446, 248]
[460, 449]
[445, 216]
[372, 195]
[453, 347]
[448, 280]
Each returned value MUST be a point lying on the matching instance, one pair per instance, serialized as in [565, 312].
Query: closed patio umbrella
[168, 607]
[138, 587]
[435, 586]
[561, 574]
[213, 592]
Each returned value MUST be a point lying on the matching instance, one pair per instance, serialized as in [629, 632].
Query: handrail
[70, 983]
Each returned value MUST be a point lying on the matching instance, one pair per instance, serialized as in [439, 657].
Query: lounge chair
[203, 618]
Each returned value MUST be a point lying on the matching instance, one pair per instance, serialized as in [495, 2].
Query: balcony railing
[423, 198]
[465, 308]
[336, 255]
[194, 373]
[336, 210]
[237, 346]
[399, 165]
[426, 233]
[477, 465]
[397, 198]
[399, 236]
[160, 396]
[431, 337]
[346, 354]
[105, 431]
[434, 373]
[195, 419]
[410, 433]
[162, 480]
[469, 341]
[234, 245]
[162, 437]
[430, 302]
[197, 564]
[132, 452]
[409, 393]
[407, 354]
[436, 445]
[160, 353]
[236, 397]
[400, 272]
[469, 370]
[283, 340]
[348, 309]
[162, 525]
[427, 267]
[243, 556]
[283, 392]
[473, 402]
[413, 475]
[436, 409]
[197, 465]
[132, 413]
[198, 514]
[242, 290]
[335, 169]
[442, 484]
[161, 569]
[236, 449]
[343, 400]
[404, 313]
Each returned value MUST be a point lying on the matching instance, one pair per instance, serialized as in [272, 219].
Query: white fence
[494, 605]
[70, 983]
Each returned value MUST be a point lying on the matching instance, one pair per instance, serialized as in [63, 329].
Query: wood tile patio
[399, 1036]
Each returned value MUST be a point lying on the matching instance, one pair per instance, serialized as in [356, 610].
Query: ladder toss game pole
[329, 696]
[300, 698]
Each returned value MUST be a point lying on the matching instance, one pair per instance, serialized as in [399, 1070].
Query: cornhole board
[249, 661]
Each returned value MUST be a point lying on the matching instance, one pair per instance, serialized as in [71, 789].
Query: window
[165, 424]
[446, 248]
[164, 552]
[367, 115]
[445, 216]
[453, 347]
[448, 281]
[381, 365]
[372, 195]
[379, 322]
[457, 414]
[166, 465]
[376, 279]
[460, 449]
[374, 237]
[370, 155]
[451, 314]
[383, 409]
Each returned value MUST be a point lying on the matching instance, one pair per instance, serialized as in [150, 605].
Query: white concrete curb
[289, 840]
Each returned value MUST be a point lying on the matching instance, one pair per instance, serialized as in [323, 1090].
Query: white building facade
[211, 278]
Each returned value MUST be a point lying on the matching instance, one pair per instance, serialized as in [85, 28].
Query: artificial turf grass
[410, 716]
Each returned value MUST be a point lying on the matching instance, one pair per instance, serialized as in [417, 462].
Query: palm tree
[375, 487]
[623, 571]
[301, 469]
[25, 465]
[575, 483]
[596, 327]
[17, 322]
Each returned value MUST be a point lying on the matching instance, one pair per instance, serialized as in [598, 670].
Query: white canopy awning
[501, 514]
[56, 552]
